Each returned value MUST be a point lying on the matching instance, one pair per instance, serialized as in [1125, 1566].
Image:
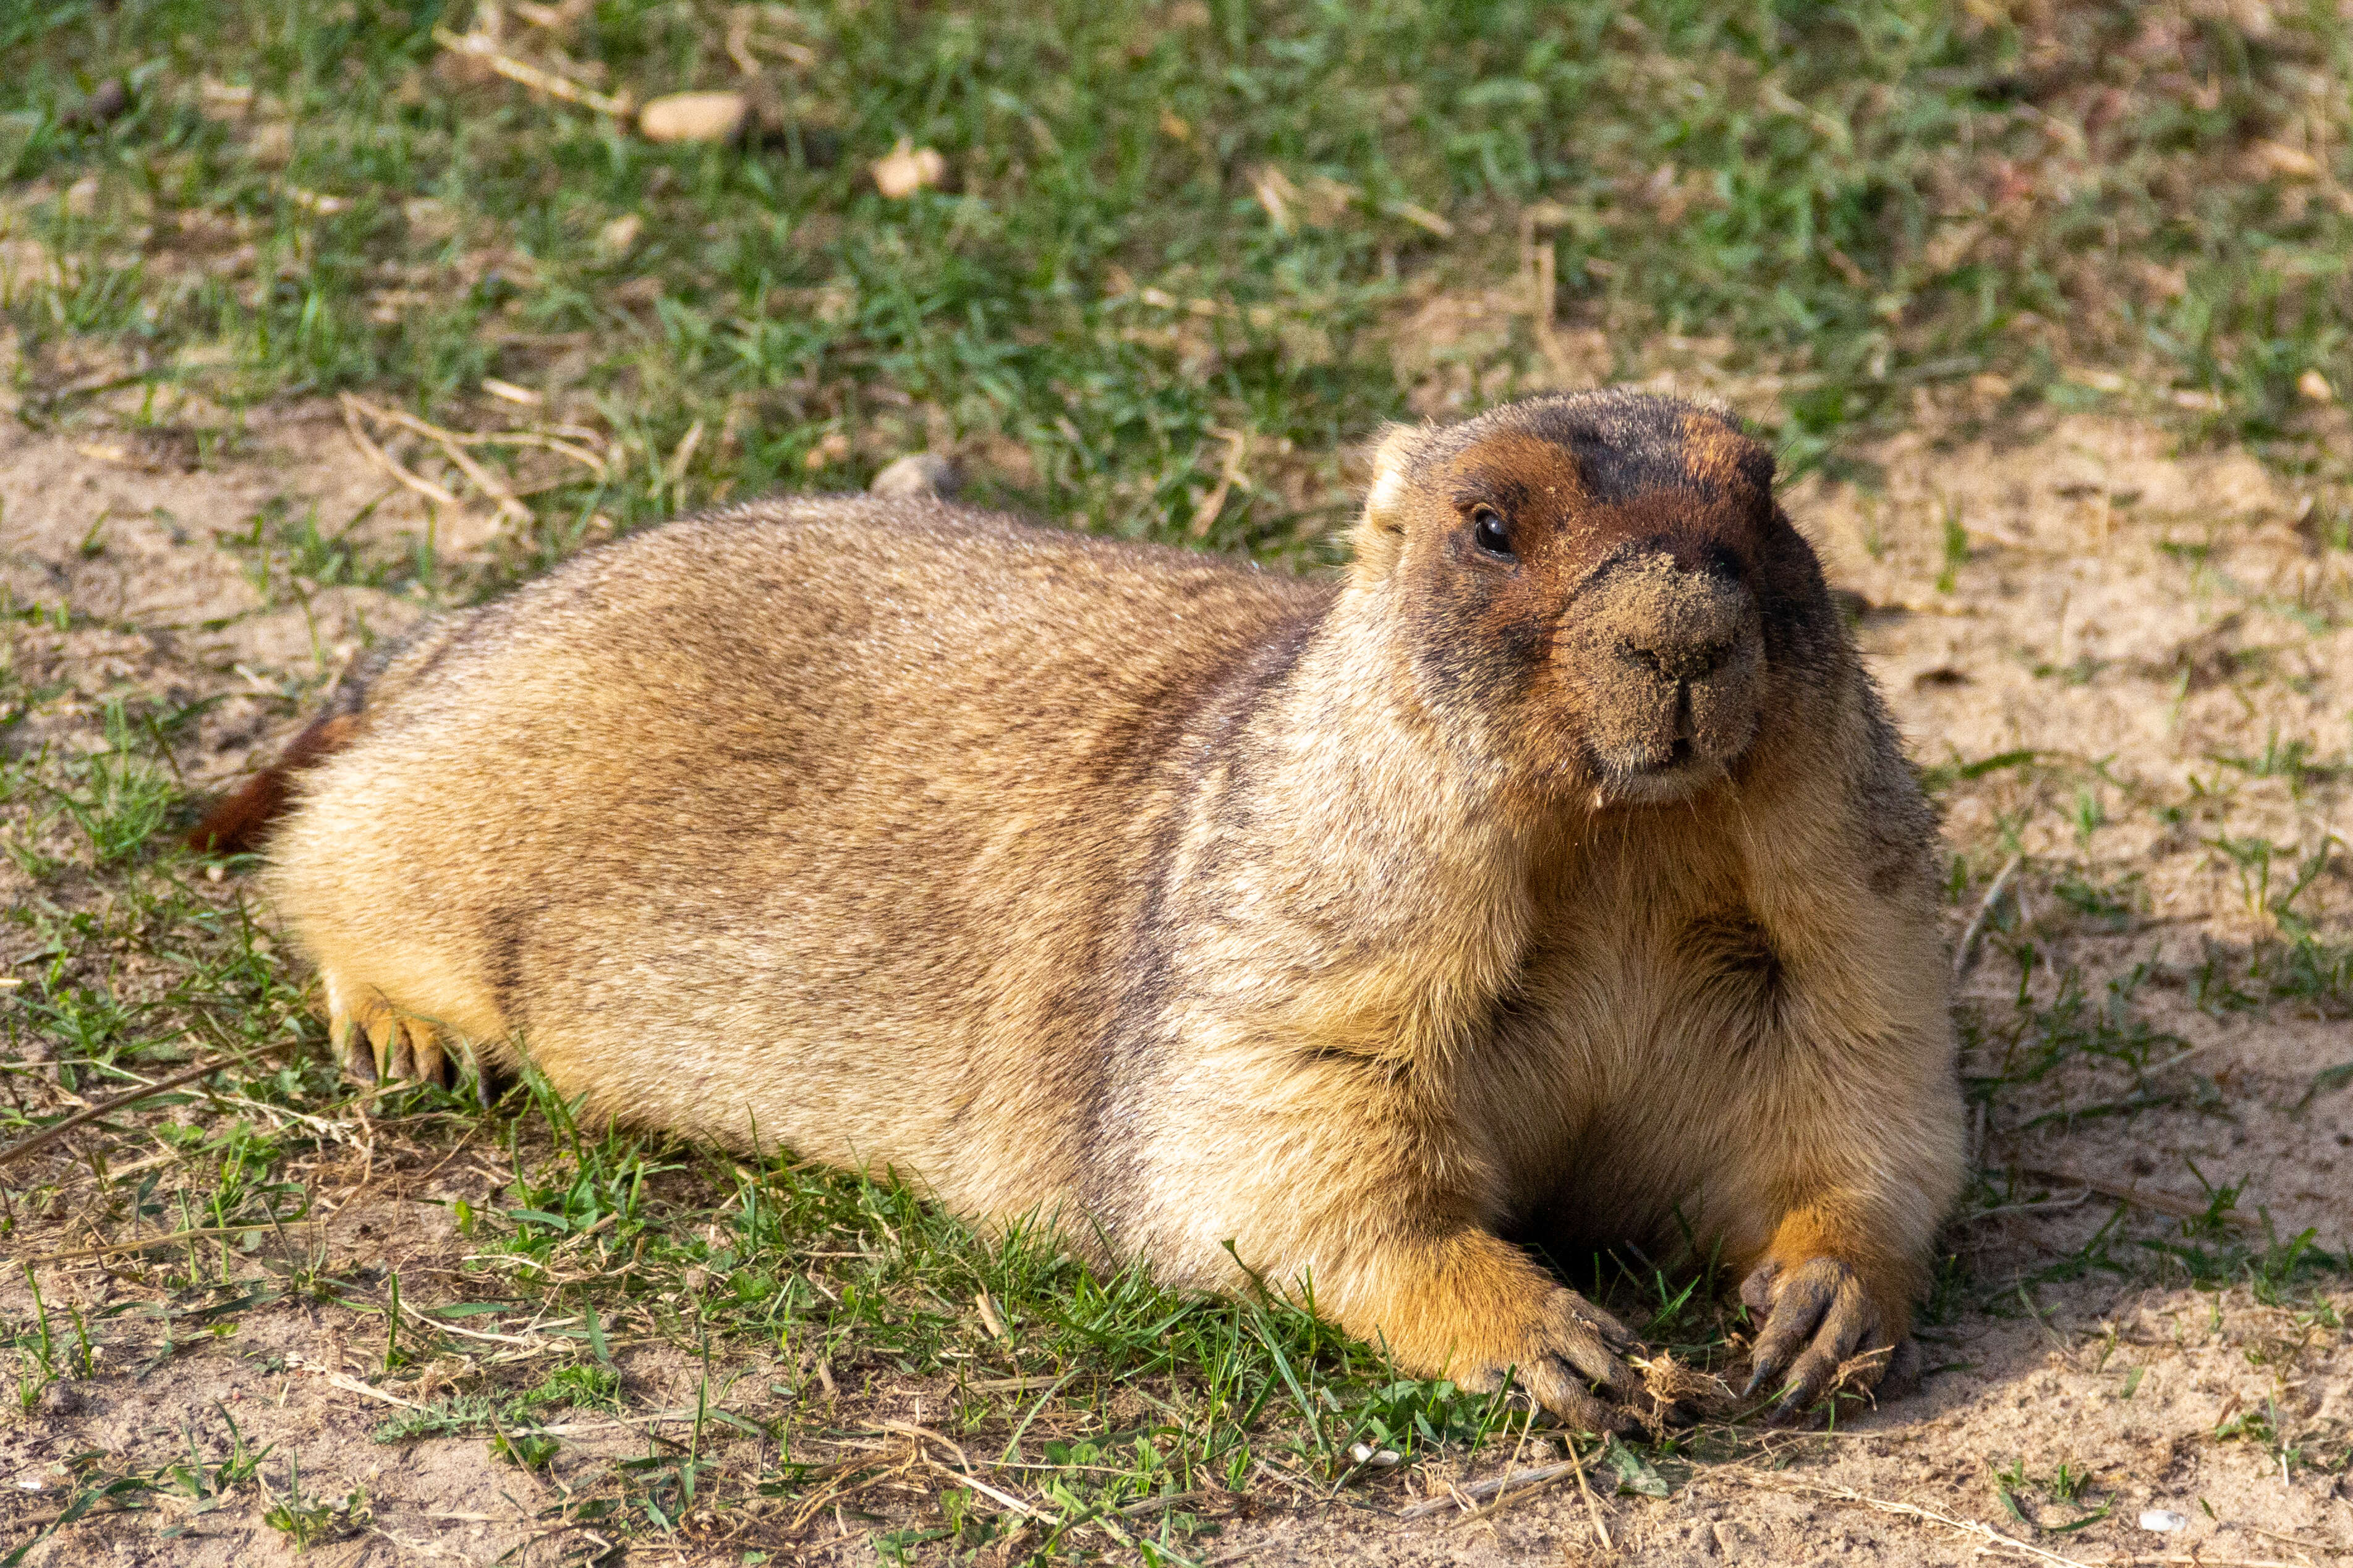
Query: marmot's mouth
[1654, 778]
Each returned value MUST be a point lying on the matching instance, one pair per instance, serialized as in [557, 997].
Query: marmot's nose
[1693, 624]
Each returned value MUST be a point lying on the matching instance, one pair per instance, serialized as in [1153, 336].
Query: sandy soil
[2108, 600]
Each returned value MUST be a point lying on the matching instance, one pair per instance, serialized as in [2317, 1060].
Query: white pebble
[918, 475]
[1379, 1459]
[907, 168]
[693, 117]
[2162, 1520]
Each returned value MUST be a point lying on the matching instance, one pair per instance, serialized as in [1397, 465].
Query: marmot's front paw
[1823, 1328]
[1569, 1360]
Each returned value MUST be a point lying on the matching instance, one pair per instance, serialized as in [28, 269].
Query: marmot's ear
[1380, 533]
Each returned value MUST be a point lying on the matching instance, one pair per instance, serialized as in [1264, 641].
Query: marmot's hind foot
[376, 1042]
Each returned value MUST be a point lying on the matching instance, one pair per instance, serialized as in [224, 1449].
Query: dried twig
[1229, 474]
[1170, 1500]
[1592, 1507]
[2163, 1203]
[475, 47]
[351, 1384]
[452, 447]
[51, 1134]
[1968, 942]
[501, 496]
[739, 42]
[1985, 1532]
[573, 445]
[741, 21]
[1004, 1499]
[571, 440]
[572, 450]
[347, 1382]
[528, 1344]
[675, 472]
[385, 461]
[2292, 1540]
[573, 1428]
[1504, 1499]
[144, 1243]
[834, 1494]
[909, 1429]
[1480, 1491]
[1538, 266]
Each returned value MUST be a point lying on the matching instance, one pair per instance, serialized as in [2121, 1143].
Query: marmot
[1555, 870]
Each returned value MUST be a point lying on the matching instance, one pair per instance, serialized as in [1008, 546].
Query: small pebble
[907, 168]
[60, 1399]
[107, 103]
[1379, 1459]
[2162, 1520]
[693, 117]
[917, 474]
[617, 237]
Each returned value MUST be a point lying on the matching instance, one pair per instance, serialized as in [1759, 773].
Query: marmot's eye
[1492, 533]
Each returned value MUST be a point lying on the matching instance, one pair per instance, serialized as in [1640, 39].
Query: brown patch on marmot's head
[1598, 591]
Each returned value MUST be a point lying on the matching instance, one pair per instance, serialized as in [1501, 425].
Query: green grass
[1098, 1395]
[805, 1304]
[1825, 208]
[1837, 215]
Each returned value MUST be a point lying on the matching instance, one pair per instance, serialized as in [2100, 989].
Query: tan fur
[1357, 925]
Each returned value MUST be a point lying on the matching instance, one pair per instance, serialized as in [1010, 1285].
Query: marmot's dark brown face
[1606, 575]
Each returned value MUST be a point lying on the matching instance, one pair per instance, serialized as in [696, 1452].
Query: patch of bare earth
[2099, 618]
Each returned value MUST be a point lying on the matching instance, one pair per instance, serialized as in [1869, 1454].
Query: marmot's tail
[237, 822]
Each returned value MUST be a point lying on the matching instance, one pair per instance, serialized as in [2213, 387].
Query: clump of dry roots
[1675, 1395]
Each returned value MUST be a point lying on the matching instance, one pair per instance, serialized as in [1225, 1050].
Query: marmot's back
[707, 808]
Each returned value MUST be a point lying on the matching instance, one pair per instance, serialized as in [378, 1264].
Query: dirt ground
[2078, 590]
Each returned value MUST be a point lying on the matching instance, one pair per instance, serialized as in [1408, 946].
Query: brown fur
[237, 824]
[1358, 925]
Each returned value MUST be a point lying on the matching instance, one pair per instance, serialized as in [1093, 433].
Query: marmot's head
[1597, 592]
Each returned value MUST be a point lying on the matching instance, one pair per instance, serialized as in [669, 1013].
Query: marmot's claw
[1616, 1335]
[1560, 1391]
[1572, 1367]
[1816, 1316]
[353, 1049]
[1589, 1339]
[404, 1049]
[374, 1043]
[1582, 1412]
